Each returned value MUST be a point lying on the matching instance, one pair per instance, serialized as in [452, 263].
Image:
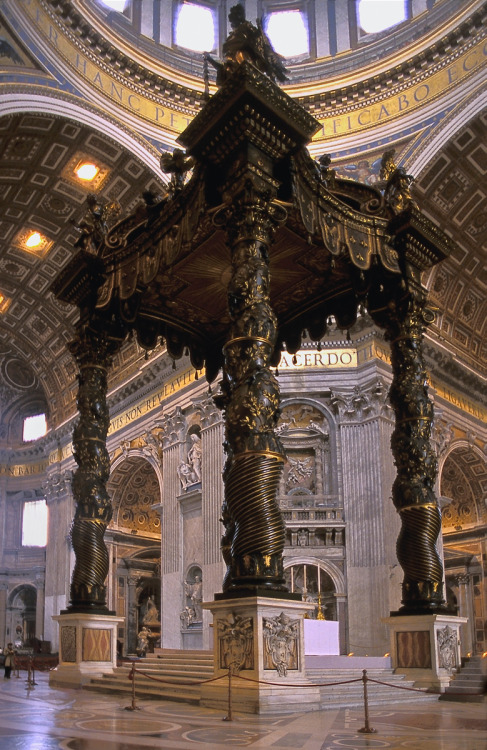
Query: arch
[463, 479]
[67, 108]
[21, 617]
[433, 144]
[135, 485]
[328, 567]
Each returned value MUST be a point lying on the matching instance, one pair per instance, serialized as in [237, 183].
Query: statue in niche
[281, 643]
[187, 617]
[143, 641]
[189, 472]
[194, 595]
[151, 616]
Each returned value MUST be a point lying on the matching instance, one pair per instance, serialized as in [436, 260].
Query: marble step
[468, 684]
[182, 672]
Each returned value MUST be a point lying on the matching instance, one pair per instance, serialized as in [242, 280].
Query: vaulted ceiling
[38, 189]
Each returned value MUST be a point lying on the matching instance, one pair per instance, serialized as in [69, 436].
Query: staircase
[352, 694]
[166, 675]
[468, 684]
[184, 668]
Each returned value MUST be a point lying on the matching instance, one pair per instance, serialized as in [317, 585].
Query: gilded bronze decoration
[413, 489]
[234, 264]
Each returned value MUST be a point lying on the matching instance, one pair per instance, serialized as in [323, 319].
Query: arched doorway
[315, 585]
[134, 535]
[21, 616]
[463, 484]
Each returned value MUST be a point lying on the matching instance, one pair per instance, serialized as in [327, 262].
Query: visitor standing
[9, 654]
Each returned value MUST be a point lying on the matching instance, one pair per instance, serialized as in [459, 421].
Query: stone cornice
[374, 88]
[120, 64]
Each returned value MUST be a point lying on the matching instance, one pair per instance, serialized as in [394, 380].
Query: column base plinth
[425, 647]
[261, 641]
[87, 647]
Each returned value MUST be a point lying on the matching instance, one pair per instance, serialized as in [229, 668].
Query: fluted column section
[211, 480]
[413, 490]
[172, 543]
[253, 542]
[365, 425]
[93, 352]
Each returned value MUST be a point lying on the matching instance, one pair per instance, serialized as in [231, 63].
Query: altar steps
[468, 684]
[171, 674]
[166, 675]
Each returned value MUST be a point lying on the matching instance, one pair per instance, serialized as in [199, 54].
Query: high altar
[253, 245]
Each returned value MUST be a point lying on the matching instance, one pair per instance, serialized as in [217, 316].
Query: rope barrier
[366, 729]
[298, 684]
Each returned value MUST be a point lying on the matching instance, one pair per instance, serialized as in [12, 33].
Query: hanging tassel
[196, 376]
[174, 364]
[348, 336]
[295, 360]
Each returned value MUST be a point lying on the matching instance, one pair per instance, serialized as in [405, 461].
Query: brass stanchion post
[367, 729]
[228, 717]
[133, 707]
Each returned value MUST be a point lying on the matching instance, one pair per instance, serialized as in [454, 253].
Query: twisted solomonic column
[253, 541]
[413, 489]
[93, 351]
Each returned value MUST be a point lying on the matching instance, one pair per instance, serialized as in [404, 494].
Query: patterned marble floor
[45, 718]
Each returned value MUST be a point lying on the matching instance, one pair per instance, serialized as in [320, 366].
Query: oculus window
[195, 27]
[34, 523]
[379, 15]
[34, 427]
[288, 33]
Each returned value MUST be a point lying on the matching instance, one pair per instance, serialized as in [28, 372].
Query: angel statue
[395, 183]
[95, 224]
[176, 164]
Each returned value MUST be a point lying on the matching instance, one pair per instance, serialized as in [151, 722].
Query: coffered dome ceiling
[52, 117]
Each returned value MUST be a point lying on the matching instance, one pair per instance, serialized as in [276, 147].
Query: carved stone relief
[447, 640]
[235, 643]
[281, 650]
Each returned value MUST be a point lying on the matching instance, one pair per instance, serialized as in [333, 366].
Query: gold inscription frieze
[421, 90]
[119, 91]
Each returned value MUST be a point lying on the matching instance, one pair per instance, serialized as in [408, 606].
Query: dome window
[288, 33]
[378, 15]
[34, 523]
[34, 427]
[195, 27]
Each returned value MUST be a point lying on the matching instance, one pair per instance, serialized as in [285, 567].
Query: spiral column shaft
[413, 489]
[253, 542]
[92, 351]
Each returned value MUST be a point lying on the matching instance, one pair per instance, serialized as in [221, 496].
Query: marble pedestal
[426, 648]
[261, 641]
[87, 648]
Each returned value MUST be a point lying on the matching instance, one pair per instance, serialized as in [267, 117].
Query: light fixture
[4, 303]
[33, 240]
[86, 171]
